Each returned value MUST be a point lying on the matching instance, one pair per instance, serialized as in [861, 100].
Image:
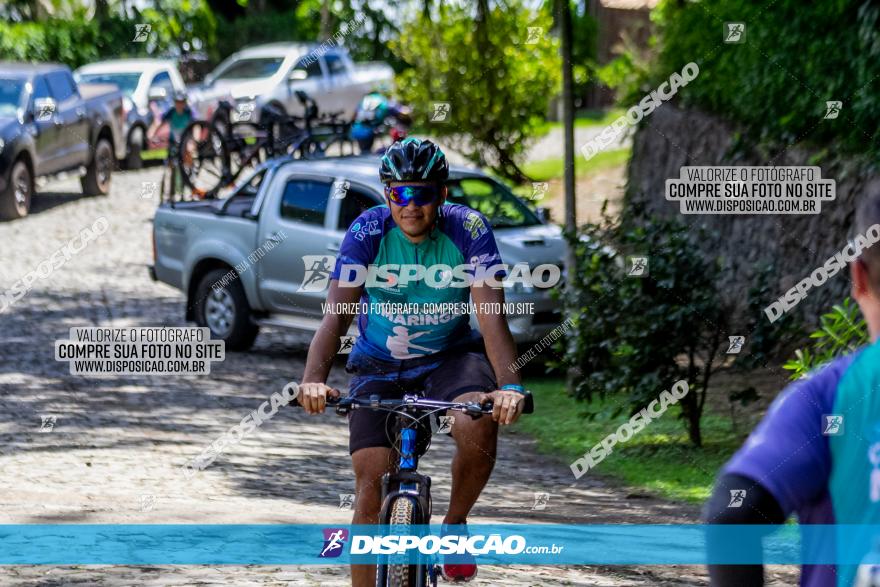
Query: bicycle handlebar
[344, 405]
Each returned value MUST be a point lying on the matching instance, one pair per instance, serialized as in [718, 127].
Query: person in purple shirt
[786, 466]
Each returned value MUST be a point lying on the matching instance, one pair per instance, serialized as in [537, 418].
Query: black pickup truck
[50, 126]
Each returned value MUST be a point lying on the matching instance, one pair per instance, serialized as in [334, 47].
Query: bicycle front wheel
[203, 158]
[403, 518]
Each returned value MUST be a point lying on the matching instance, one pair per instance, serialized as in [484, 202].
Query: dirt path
[114, 453]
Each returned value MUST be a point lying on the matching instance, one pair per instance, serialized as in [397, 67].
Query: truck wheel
[96, 181]
[133, 158]
[15, 201]
[221, 305]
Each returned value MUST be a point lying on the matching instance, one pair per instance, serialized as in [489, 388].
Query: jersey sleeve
[787, 453]
[360, 244]
[471, 232]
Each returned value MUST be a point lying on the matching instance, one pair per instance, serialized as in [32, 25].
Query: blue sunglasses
[421, 195]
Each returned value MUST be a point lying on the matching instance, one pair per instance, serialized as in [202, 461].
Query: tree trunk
[325, 19]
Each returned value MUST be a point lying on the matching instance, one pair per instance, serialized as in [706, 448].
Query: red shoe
[458, 568]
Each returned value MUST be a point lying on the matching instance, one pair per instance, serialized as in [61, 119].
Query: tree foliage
[497, 85]
[795, 56]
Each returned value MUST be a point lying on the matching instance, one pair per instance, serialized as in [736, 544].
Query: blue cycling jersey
[818, 452]
[408, 318]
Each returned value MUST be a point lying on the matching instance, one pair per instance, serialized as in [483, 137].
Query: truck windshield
[125, 81]
[251, 68]
[493, 200]
[10, 95]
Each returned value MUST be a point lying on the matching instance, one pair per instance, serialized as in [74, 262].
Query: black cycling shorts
[443, 378]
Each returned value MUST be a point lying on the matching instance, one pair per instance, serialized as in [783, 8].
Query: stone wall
[671, 138]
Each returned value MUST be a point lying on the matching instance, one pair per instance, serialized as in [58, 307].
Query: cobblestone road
[114, 453]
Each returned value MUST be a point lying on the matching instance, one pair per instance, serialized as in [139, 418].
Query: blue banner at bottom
[520, 544]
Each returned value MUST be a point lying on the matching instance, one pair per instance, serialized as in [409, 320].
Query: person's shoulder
[372, 222]
[819, 386]
[461, 221]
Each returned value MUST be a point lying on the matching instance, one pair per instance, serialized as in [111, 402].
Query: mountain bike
[406, 494]
[216, 154]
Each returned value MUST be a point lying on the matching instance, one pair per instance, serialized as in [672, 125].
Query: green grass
[548, 169]
[585, 119]
[659, 459]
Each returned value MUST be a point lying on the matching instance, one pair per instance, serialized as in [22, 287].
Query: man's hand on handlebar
[313, 396]
[508, 405]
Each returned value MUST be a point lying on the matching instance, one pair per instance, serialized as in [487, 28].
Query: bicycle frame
[408, 483]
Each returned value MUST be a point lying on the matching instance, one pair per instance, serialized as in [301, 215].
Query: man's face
[179, 105]
[416, 221]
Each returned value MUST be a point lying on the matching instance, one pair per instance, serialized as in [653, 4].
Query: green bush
[841, 331]
[636, 336]
[80, 40]
[796, 56]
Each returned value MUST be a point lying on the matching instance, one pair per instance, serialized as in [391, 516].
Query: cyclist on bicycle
[817, 451]
[399, 353]
[177, 118]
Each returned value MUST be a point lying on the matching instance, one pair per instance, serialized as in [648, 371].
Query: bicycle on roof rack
[406, 494]
[213, 155]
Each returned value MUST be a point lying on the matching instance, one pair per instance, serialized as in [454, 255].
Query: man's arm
[755, 505]
[325, 344]
[502, 353]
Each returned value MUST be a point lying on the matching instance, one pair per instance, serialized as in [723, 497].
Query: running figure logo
[734, 32]
[535, 34]
[638, 266]
[346, 500]
[736, 344]
[47, 423]
[317, 275]
[334, 540]
[444, 425]
[45, 108]
[400, 344]
[541, 500]
[832, 109]
[832, 425]
[737, 497]
[441, 112]
[141, 32]
[346, 344]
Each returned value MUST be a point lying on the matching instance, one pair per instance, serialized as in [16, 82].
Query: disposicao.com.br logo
[403, 544]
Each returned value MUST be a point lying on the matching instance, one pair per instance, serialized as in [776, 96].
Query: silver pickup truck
[270, 75]
[243, 261]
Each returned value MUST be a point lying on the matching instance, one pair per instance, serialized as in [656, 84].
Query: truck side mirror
[543, 214]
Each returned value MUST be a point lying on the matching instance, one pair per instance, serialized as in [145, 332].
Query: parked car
[265, 75]
[289, 204]
[149, 86]
[50, 125]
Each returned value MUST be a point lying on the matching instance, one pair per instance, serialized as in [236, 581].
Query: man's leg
[369, 465]
[475, 442]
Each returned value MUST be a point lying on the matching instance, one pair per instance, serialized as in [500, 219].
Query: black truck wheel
[15, 200]
[96, 181]
[221, 305]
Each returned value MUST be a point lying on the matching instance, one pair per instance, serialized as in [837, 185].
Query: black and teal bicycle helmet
[414, 160]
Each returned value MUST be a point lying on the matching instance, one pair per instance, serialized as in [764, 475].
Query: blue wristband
[513, 387]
